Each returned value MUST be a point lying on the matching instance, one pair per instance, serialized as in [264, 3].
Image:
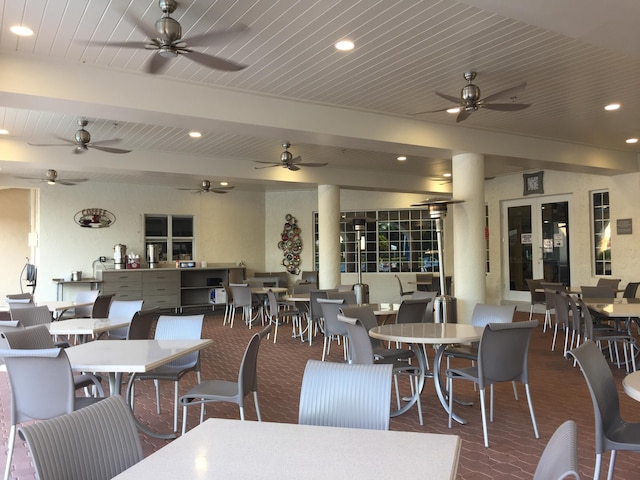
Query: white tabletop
[86, 326]
[631, 385]
[217, 449]
[129, 356]
[619, 308]
[265, 290]
[54, 305]
[428, 333]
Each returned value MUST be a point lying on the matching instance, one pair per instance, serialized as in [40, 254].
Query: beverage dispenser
[120, 256]
[153, 255]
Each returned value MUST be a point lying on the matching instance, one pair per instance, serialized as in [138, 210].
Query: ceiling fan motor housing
[83, 137]
[470, 95]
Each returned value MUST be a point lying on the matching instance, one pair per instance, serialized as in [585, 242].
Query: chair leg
[155, 382]
[255, 400]
[533, 416]
[418, 401]
[515, 390]
[555, 334]
[484, 418]
[184, 419]
[395, 381]
[175, 408]
[612, 465]
[531, 312]
[450, 389]
[491, 403]
[241, 412]
[11, 443]
[596, 469]
[324, 347]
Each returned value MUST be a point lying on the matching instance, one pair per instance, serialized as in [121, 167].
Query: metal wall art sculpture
[291, 244]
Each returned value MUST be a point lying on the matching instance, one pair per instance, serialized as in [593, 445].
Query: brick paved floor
[558, 390]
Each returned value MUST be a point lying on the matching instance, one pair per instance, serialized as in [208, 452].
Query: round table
[631, 385]
[438, 334]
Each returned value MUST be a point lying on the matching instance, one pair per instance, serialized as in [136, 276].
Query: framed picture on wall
[533, 183]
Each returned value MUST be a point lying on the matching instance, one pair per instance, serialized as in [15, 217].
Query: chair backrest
[227, 289]
[330, 310]
[598, 292]
[415, 311]
[345, 395]
[42, 384]
[314, 306]
[364, 312]
[31, 316]
[349, 297]
[35, 337]
[248, 372]
[559, 459]
[97, 442]
[102, 305]
[631, 290]
[360, 347]
[562, 306]
[602, 387]
[422, 294]
[303, 288]
[310, 277]
[19, 298]
[536, 284]
[85, 296]
[503, 352]
[272, 302]
[402, 292]
[124, 309]
[484, 314]
[241, 293]
[180, 327]
[612, 283]
[141, 324]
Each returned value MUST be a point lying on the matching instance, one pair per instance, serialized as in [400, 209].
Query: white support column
[329, 235]
[469, 245]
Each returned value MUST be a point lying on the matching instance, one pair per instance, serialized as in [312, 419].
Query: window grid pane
[601, 233]
[174, 234]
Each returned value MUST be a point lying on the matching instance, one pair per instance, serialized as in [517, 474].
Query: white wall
[15, 225]
[229, 228]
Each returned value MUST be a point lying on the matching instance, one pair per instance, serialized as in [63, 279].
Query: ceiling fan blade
[312, 164]
[109, 149]
[118, 44]
[49, 144]
[190, 189]
[71, 183]
[508, 93]
[293, 168]
[148, 32]
[432, 111]
[207, 39]
[505, 107]
[222, 189]
[270, 165]
[463, 115]
[28, 178]
[156, 64]
[451, 98]
[100, 143]
[215, 190]
[210, 61]
[296, 159]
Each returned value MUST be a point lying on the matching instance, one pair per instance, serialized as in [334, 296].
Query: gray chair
[349, 296]
[631, 290]
[612, 283]
[562, 318]
[361, 352]
[172, 327]
[502, 357]
[102, 305]
[559, 459]
[403, 292]
[333, 329]
[345, 395]
[612, 431]
[315, 310]
[123, 310]
[242, 298]
[84, 296]
[228, 307]
[97, 443]
[600, 291]
[277, 315]
[37, 337]
[229, 391]
[537, 293]
[550, 288]
[19, 298]
[31, 316]
[42, 387]
[422, 294]
[415, 311]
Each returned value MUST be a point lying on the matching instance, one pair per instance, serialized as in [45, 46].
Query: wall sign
[94, 218]
[291, 244]
[624, 226]
[533, 183]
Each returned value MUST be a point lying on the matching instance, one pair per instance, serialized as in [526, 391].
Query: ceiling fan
[288, 161]
[167, 42]
[470, 99]
[51, 177]
[206, 188]
[82, 142]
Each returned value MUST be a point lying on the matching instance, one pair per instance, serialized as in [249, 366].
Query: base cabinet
[169, 288]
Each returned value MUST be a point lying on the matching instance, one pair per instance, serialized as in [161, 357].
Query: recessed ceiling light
[195, 134]
[446, 175]
[21, 30]
[344, 45]
[612, 106]
[453, 110]
[402, 158]
[224, 184]
[4, 131]
[631, 140]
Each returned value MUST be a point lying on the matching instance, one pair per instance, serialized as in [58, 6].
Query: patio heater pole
[360, 289]
[444, 304]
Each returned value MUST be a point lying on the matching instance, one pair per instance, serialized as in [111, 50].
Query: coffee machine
[120, 256]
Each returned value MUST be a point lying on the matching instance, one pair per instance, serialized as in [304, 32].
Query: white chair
[123, 310]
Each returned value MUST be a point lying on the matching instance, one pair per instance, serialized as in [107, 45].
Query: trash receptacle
[445, 309]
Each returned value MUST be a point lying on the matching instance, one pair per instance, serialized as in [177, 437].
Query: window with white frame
[601, 221]
[174, 234]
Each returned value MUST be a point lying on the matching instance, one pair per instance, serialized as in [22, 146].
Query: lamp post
[360, 289]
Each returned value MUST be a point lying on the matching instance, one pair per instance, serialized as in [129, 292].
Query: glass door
[535, 243]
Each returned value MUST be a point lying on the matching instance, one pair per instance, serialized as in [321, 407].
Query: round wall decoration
[291, 244]
[94, 218]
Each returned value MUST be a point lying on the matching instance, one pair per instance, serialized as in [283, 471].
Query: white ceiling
[575, 56]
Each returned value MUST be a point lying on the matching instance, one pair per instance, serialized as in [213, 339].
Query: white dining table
[217, 449]
[132, 357]
[57, 307]
[86, 327]
[631, 385]
[438, 334]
